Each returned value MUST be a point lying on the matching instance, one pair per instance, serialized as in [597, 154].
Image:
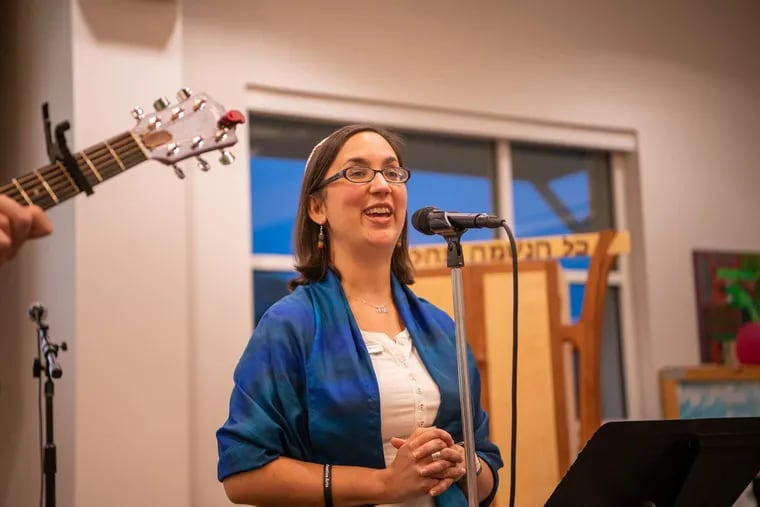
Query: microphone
[430, 220]
[37, 312]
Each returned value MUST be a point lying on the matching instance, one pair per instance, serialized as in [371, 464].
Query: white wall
[132, 437]
[151, 275]
[683, 75]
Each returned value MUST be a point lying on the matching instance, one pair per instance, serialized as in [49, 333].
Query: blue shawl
[305, 386]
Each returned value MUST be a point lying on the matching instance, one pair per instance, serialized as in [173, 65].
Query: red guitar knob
[231, 119]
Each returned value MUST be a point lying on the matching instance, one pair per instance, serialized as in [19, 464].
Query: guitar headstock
[195, 125]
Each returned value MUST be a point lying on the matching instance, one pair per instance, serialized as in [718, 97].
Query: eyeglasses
[360, 174]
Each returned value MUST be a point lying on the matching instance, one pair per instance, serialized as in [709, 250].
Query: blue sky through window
[534, 216]
[449, 192]
[576, 301]
[276, 182]
[574, 191]
[270, 286]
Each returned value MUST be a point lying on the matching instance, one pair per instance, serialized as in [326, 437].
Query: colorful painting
[728, 298]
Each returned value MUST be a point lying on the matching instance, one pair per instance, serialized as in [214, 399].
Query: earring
[321, 237]
[398, 243]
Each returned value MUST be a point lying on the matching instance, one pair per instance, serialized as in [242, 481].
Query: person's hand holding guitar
[19, 223]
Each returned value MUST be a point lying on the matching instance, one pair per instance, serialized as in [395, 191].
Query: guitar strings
[103, 155]
[100, 156]
[59, 180]
[61, 183]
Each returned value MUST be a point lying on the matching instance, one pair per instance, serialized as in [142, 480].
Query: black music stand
[670, 463]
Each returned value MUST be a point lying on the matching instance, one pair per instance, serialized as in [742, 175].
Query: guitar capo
[58, 151]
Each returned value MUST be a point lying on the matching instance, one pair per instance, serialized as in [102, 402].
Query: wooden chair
[585, 338]
[547, 416]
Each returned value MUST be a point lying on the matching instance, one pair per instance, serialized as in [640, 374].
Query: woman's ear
[317, 210]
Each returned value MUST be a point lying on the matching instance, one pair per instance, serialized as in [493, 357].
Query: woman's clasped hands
[427, 462]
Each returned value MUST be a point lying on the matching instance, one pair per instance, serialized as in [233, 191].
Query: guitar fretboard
[52, 184]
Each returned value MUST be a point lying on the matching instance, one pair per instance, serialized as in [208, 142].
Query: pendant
[381, 309]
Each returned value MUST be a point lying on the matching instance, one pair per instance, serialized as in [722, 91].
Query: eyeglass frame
[342, 174]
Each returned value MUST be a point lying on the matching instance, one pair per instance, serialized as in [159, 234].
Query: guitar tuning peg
[184, 94]
[199, 104]
[138, 113]
[221, 134]
[161, 104]
[203, 165]
[226, 157]
[179, 172]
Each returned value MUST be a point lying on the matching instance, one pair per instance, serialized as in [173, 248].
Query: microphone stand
[52, 370]
[451, 226]
[455, 262]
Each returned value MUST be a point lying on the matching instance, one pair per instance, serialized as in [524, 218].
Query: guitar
[195, 125]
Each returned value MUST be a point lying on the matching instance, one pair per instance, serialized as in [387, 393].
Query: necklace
[378, 308]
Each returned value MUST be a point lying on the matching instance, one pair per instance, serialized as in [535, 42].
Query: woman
[347, 393]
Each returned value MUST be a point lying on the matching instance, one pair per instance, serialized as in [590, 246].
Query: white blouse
[409, 398]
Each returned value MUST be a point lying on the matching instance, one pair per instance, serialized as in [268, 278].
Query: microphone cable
[513, 437]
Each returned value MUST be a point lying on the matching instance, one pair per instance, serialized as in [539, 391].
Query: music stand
[669, 463]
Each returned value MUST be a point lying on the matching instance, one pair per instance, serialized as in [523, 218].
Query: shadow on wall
[118, 20]
[12, 376]
[12, 373]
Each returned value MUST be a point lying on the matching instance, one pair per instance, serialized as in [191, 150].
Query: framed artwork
[710, 391]
[727, 288]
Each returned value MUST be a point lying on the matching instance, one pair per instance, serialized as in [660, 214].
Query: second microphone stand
[52, 370]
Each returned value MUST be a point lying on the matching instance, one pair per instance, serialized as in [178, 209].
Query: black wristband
[327, 485]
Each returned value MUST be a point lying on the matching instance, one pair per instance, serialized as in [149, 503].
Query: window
[613, 381]
[450, 173]
[269, 287]
[565, 191]
[553, 190]
[561, 191]
[279, 149]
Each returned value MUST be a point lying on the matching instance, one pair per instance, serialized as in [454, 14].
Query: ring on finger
[436, 455]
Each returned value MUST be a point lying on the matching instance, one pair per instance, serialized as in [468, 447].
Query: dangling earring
[321, 238]
[398, 243]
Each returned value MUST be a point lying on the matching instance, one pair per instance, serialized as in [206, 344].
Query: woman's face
[362, 216]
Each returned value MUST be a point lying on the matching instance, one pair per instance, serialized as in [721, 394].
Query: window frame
[502, 130]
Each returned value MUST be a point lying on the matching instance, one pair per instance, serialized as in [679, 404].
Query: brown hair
[311, 261]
